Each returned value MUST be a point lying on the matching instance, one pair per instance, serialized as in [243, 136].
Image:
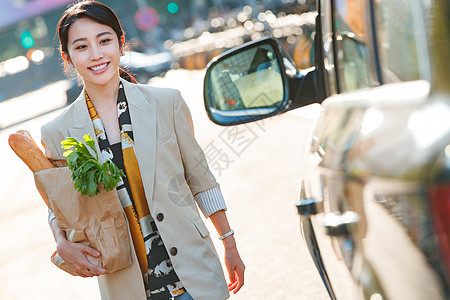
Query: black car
[378, 180]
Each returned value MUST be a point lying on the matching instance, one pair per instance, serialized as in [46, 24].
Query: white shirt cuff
[210, 201]
[51, 216]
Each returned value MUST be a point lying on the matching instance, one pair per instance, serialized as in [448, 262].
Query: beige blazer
[173, 169]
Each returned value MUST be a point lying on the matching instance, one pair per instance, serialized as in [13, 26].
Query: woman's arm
[206, 190]
[233, 261]
[74, 254]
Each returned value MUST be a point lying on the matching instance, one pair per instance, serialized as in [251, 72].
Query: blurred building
[29, 56]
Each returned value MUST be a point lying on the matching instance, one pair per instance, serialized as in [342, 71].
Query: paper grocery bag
[97, 221]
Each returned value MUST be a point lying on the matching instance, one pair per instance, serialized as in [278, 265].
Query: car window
[354, 68]
[328, 47]
[402, 44]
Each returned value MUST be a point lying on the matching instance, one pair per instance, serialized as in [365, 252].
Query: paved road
[259, 168]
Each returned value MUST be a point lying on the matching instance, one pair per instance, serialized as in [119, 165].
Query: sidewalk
[33, 104]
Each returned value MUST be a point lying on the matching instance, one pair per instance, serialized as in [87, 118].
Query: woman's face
[94, 51]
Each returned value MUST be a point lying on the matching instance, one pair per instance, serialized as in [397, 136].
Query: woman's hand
[233, 261]
[234, 265]
[74, 254]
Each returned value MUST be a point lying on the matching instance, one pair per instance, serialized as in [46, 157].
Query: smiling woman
[94, 50]
[147, 132]
[112, 33]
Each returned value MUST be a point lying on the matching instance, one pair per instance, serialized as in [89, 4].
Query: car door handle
[340, 224]
[309, 206]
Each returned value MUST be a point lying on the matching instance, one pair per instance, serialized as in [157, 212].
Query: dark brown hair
[97, 12]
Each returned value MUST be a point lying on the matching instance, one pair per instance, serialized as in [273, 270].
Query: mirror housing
[254, 81]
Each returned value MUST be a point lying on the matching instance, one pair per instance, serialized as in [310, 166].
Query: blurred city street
[259, 175]
[376, 168]
[260, 198]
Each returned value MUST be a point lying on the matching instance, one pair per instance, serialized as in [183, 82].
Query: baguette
[26, 148]
[28, 135]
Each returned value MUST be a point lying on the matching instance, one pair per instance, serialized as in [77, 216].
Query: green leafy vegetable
[87, 172]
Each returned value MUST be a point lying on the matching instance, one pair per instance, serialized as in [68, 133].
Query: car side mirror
[255, 81]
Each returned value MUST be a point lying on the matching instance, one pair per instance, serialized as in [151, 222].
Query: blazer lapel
[82, 124]
[143, 118]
